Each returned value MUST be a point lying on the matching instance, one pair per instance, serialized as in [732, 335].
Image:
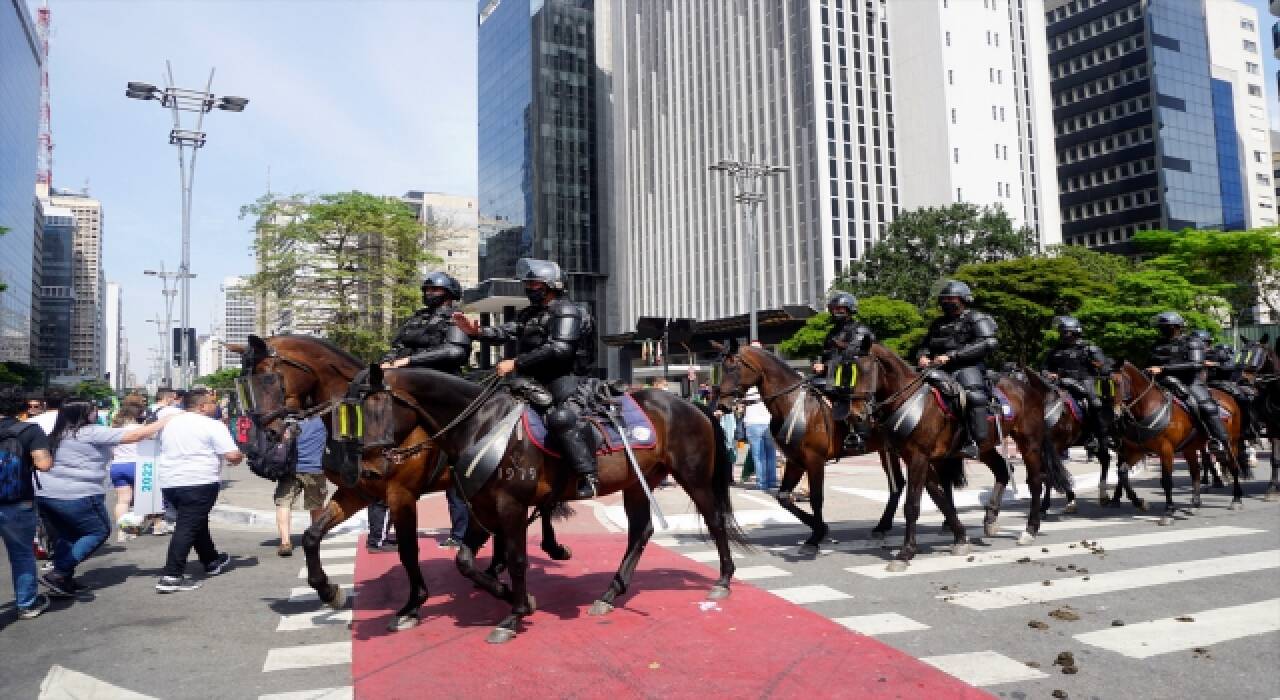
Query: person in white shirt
[189, 468]
[763, 452]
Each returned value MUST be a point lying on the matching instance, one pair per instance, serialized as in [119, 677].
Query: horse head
[880, 376]
[735, 377]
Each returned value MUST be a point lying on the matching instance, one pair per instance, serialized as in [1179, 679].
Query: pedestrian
[190, 470]
[740, 442]
[124, 463]
[24, 448]
[459, 517]
[307, 481]
[54, 397]
[380, 537]
[763, 452]
[168, 402]
[33, 406]
[72, 495]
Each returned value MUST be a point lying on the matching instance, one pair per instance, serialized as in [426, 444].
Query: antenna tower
[44, 164]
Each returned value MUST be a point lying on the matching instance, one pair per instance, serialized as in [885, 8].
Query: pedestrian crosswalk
[1197, 629]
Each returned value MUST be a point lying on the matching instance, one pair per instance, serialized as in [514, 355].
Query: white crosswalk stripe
[313, 619]
[755, 573]
[877, 624]
[344, 693]
[298, 595]
[984, 668]
[1146, 639]
[1124, 580]
[809, 594]
[347, 568]
[338, 553]
[307, 656]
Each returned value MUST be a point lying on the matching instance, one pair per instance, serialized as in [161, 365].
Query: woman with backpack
[72, 495]
[24, 449]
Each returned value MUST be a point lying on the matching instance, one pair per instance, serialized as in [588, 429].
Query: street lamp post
[166, 353]
[748, 180]
[166, 341]
[179, 100]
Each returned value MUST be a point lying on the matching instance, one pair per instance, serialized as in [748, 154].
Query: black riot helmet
[1170, 323]
[439, 287]
[957, 289]
[1068, 327]
[544, 271]
[842, 306]
[1203, 336]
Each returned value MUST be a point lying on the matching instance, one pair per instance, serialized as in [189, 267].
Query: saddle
[639, 429]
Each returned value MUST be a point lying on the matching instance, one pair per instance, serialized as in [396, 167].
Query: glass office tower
[19, 124]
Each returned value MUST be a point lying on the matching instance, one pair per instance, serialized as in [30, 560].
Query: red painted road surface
[663, 641]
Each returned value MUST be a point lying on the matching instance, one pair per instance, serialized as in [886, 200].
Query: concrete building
[57, 290]
[1242, 122]
[20, 66]
[974, 109]
[239, 319]
[88, 334]
[451, 232]
[211, 355]
[113, 325]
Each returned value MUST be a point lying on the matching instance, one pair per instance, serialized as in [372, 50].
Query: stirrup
[588, 486]
[970, 450]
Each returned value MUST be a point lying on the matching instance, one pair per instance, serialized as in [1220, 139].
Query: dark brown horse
[1066, 429]
[689, 446]
[311, 373]
[1153, 423]
[894, 398]
[1267, 407]
[809, 440]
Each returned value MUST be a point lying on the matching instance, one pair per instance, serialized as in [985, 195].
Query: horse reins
[398, 455]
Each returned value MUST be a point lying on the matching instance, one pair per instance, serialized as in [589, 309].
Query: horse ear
[375, 374]
[258, 345]
[237, 348]
[717, 346]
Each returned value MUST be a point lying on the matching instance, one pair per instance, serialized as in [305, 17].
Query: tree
[93, 389]
[19, 374]
[1121, 324]
[924, 246]
[890, 319]
[348, 263]
[222, 379]
[1242, 266]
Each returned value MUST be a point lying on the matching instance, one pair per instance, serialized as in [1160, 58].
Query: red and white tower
[44, 164]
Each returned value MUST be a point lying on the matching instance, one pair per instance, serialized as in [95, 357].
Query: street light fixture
[199, 102]
[748, 179]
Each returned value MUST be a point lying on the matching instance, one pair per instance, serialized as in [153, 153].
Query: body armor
[1077, 364]
[430, 339]
[842, 346]
[1181, 360]
[967, 340]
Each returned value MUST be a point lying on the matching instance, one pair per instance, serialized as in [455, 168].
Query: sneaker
[175, 584]
[218, 565]
[162, 528]
[450, 543]
[285, 549]
[31, 613]
[57, 585]
[381, 548]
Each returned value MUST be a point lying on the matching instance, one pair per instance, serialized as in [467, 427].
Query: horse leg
[404, 514]
[550, 545]
[1103, 467]
[704, 499]
[795, 469]
[892, 467]
[1193, 458]
[466, 561]
[820, 530]
[639, 530]
[1000, 470]
[344, 503]
[919, 469]
[1234, 468]
[1035, 479]
[514, 531]
[1046, 494]
[951, 519]
[1166, 483]
[1273, 488]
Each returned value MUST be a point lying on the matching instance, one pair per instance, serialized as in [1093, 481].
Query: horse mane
[322, 342]
[886, 355]
[772, 358]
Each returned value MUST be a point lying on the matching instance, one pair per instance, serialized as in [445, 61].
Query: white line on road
[754, 573]
[313, 619]
[341, 569]
[307, 656]
[881, 623]
[299, 595]
[705, 556]
[343, 553]
[1146, 639]
[809, 594]
[345, 693]
[983, 668]
[1150, 539]
[64, 684]
[1110, 582]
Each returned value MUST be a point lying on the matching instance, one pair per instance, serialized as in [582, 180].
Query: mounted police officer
[1227, 374]
[430, 338]
[957, 345]
[843, 344]
[1177, 361]
[1074, 364]
[555, 347]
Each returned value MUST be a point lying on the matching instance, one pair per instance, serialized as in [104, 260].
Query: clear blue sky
[370, 95]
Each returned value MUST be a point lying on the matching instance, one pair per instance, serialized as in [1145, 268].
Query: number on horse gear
[1181, 359]
[967, 338]
[1077, 364]
[555, 346]
[843, 344]
[430, 338]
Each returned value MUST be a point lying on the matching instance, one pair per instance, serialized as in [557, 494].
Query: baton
[631, 457]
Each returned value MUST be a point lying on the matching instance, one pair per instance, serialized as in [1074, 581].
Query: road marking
[342, 569]
[64, 684]
[1143, 640]
[983, 668]
[708, 556]
[336, 553]
[615, 518]
[753, 573]
[881, 623]
[307, 656]
[345, 693]
[300, 595]
[802, 595]
[314, 619]
[1113, 581]
[950, 563]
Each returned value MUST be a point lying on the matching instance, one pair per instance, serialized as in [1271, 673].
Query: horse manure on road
[1066, 614]
[1025, 560]
[1032, 664]
[1038, 625]
[1070, 670]
[1065, 658]
[1060, 694]
[1185, 618]
[1046, 582]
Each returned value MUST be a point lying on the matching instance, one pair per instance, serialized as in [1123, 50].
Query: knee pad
[561, 419]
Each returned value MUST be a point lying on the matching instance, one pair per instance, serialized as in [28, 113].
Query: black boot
[977, 431]
[578, 455]
[1217, 436]
[854, 442]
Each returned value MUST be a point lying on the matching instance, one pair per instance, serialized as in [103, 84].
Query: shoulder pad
[983, 325]
[566, 308]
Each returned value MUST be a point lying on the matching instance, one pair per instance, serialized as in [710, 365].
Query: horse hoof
[500, 635]
[718, 593]
[1165, 520]
[562, 554]
[1140, 505]
[879, 534]
[1271, 496]
[339, 598]
[1025, 539]
[600, 608]
[1236, 505]
[1070, 508]
[403, 622]
[992, 529]
[960, 549]
[896, 566]
[809, 550]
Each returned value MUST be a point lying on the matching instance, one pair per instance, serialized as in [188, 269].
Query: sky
[373, 95]
[1270, 64]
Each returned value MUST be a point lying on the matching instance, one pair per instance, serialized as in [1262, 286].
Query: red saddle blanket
[1006, 408]
[640, 432]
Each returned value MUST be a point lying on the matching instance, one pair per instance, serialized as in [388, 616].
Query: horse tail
[721, 478]
[1056, 475]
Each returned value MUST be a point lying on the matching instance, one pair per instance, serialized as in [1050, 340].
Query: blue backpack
[14, 472]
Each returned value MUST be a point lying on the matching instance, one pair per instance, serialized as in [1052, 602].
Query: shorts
[123, 474]
[313, 487]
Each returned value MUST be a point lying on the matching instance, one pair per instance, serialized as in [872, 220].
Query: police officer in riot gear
[555, 347]
[843, 344]
[1176, 362]
[1074, 365]
[957, 345]
[1228, 374]
[430, 338]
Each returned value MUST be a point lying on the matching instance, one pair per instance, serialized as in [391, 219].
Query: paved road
[249, 634]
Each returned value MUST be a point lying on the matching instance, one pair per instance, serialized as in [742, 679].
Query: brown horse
[689, 446]
[309, 373]
[809, 441]
[1153, 423]
[1066, 429]
[892, 397]
[1267, 407]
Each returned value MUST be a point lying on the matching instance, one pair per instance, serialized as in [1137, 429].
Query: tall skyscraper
[88, 334]
[239, 318]
[806, 85]
[452, 233]
[113, 325]
[57, 290]
[974, 108]
[538, 143]
[20, 66]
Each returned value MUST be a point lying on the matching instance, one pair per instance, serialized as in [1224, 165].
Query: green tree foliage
[1121, 323]
[17, 373]
[924, 246]
[353, 259]
[93, 389]
[1241, 266]
[222, 379]
[894, 323]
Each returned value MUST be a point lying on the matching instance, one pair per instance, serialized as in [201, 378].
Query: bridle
[876, 408]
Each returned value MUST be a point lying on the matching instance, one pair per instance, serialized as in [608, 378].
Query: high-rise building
[1242, 123]
[538, 141]
[806, 85]
[451, 232]
[211, 355]
[57, 290]
[973, 108]
[113, 324]
[20, 65]
[88, 334]
[239, 318]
